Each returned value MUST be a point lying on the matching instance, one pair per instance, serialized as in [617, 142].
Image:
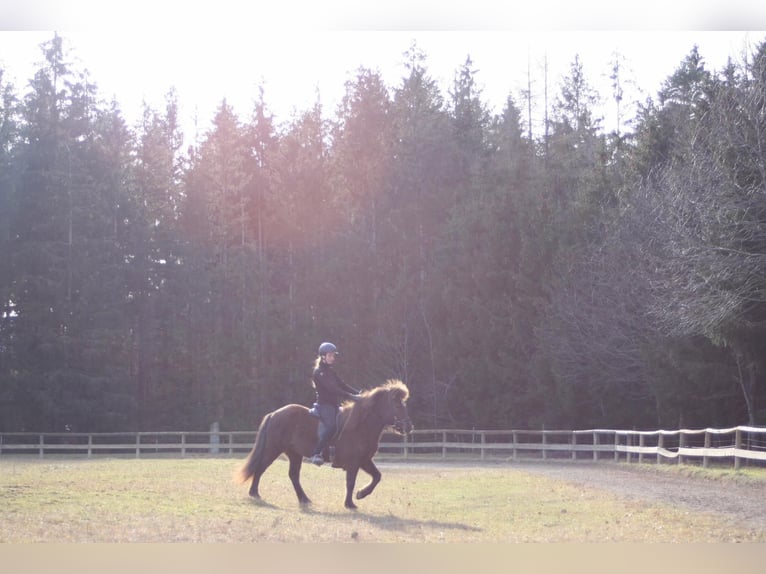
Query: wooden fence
[731, 446]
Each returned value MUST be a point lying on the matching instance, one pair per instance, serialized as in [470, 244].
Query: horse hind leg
[265, 462]
[257, 477]
[370, 468]
[294, 472]
[254, 484]
[260, 458]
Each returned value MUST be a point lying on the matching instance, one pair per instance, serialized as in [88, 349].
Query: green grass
[197, 500]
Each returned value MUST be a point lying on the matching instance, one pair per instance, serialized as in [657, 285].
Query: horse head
[394, 408]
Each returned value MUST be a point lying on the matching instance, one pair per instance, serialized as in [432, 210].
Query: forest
[572, 278]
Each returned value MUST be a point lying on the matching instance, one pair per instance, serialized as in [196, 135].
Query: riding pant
[328, 425]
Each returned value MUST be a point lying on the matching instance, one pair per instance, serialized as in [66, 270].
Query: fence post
[544, 443]
[183, 445]
[641, 443]
[215, 438]
[90, 445]
[616, 444]
[515, 442]
[595, 446]
[737, 446]
[406, 446]
[574, 445]
[681, 442]
[444, 445]
[138, 445]
[660, 446]
[705, 457]
[42, 443]
[483, 441]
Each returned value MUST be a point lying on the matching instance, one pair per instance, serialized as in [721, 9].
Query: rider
[331, 391]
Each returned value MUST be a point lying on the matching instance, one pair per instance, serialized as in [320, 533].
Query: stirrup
[314, 411]
[317, 460]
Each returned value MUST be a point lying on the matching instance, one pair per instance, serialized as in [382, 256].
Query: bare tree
[711, 206]
[597, 330]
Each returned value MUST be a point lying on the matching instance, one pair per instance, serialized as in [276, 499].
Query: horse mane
[394, 387]
[358, 411]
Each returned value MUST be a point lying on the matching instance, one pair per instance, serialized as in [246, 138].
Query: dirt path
[742, 502]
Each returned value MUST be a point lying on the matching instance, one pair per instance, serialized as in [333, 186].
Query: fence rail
[128, 443]
[735, 445]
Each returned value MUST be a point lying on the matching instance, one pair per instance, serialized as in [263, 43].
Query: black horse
[292, 430]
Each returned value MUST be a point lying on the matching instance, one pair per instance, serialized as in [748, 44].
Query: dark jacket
[330, 389]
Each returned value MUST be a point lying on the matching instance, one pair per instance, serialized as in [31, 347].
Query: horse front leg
[296, 460]
[370, 468]
[351, 473]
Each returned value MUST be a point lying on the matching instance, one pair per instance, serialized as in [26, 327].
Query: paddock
[196, 500]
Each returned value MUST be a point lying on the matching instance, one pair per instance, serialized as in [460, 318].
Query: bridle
[402, 424]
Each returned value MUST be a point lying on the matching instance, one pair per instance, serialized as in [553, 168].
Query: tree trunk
[747, 383]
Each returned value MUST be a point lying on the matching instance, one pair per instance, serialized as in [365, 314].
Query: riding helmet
[326, 347]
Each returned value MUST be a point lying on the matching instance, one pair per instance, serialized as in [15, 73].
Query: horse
[292, 430]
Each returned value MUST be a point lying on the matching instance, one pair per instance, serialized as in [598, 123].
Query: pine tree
[419, 199]
[361, 156]
[9, 144]
[156, 203]
[67, 263]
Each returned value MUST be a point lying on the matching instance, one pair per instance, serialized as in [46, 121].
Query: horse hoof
[351, 506]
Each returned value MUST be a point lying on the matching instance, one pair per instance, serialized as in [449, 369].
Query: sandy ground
[741, 502]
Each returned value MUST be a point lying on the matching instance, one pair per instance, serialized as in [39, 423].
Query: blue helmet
[325, 348]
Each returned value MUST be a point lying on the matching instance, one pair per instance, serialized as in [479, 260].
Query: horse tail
[256, 454]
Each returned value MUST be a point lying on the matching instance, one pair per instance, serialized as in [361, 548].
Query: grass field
[198, 500]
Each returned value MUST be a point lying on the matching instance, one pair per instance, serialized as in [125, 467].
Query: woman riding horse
[331, 391]
[292, 430]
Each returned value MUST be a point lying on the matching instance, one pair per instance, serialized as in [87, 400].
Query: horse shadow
[391, 521]
[260, 503]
